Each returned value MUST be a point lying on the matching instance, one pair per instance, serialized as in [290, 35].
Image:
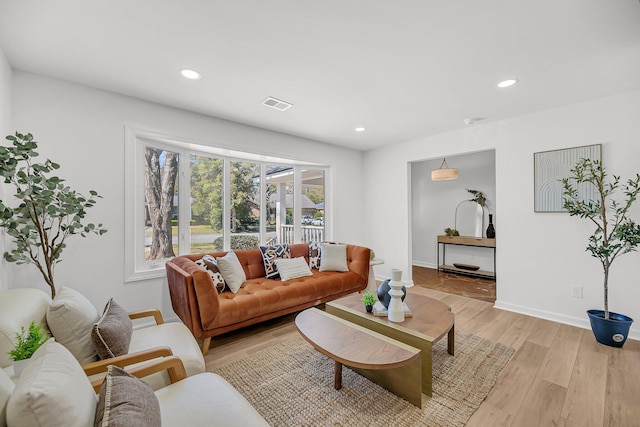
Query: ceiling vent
[276, 103]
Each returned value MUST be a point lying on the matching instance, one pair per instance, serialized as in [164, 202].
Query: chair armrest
[100, 366]
[172, 364]
[148, 313]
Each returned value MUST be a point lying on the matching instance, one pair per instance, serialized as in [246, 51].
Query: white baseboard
[580, 322]
[424, 264]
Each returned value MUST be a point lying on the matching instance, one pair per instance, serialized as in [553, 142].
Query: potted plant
[615, 234]
[27, 342]
[369, 299]
[47, 212]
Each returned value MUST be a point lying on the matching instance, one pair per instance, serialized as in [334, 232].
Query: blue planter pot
[612, 332]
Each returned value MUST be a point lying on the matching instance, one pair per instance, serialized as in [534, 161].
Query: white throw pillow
[333, 258]
[292, 268]
[70, 318]
[232, 271]
[53, 390]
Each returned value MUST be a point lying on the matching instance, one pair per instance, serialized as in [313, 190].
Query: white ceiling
[402, 69]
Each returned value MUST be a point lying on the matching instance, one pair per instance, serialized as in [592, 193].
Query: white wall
[5, 129]
[433, 206]
[540, 255]
[83, 130]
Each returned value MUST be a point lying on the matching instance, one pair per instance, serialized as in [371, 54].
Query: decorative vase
[491, 231]
[479, 221]
[395, 312]
[369, 308]
[383, 293]
[613, 331]
[18, 366]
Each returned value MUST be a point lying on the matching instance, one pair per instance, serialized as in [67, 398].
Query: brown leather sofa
[206, 313]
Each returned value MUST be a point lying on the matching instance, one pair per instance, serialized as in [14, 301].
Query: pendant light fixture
[445, 173]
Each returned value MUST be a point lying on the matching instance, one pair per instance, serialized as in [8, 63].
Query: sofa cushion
[333, 258]
[179, 339]
[126, 401]
[111, 335]
[232, 271]
[270, 254]
[53, 390]
[208, 399]
[70, 318]
[210, 264]
[292, 268]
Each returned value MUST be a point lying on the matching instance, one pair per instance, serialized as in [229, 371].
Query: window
[187, 198]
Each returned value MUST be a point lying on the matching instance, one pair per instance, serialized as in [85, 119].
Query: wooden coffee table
[389, 363]
[431, 320]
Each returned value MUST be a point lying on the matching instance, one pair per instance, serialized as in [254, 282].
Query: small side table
[372, 285]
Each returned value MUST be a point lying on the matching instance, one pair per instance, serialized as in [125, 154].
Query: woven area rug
[291, 384]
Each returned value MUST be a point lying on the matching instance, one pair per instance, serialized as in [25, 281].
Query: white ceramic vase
[479, 221]
[395, 312]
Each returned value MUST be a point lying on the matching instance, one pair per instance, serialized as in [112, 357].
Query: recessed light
[360, 129]
[190, 74]
[507, 83]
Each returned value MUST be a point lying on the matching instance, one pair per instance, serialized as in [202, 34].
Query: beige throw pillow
[52, 390]
[70, 318]
[232, 271]
[333, 258]
[292, 268]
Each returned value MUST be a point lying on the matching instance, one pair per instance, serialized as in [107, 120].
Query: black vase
[383, 293]
[491, 231]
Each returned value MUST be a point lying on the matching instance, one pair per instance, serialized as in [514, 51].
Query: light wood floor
[458, 284]
[559, 375]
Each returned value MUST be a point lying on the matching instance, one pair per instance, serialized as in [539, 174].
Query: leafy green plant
[28, 341]
[369, 298]
[478, 197]
[48, 211]
[451, 232]
[616, 234]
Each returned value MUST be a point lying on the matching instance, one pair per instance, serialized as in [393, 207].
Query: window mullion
[184, 200]
[226, 203]
[297, 204]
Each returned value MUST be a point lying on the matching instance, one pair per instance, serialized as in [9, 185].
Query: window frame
[136, 139]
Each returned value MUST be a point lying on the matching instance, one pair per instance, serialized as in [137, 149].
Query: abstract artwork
[549, 169]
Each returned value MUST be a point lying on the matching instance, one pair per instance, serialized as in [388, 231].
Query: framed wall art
[550, 167]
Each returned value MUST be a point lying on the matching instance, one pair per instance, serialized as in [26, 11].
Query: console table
[483, 242]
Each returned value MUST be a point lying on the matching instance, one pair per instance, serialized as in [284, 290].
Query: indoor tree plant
[615, 234]
[47, 212]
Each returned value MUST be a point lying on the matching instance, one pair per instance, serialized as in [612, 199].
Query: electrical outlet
[576, 291]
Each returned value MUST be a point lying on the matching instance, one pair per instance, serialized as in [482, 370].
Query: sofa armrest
[100, 366]
[358, 258]
[153, 312]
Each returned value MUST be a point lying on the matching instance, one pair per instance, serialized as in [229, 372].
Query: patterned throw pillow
[270, 254]
[315, 251]
[210, 264]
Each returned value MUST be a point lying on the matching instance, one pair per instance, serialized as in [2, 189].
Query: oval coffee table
[390, 363]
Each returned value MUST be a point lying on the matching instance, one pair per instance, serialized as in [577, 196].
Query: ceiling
[401, 69]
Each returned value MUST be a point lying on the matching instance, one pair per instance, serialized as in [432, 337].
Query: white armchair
[18, 307]
[43, 396]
